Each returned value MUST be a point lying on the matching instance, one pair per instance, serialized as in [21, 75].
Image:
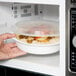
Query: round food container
[37, 37]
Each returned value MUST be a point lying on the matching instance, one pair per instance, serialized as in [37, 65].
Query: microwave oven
[14, 11]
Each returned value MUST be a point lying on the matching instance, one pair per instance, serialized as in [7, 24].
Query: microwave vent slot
[36, 10]
[25, 15]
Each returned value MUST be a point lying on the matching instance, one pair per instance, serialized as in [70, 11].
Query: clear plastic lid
[36, 28]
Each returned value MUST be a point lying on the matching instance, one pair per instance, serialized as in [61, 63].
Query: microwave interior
[10, 13]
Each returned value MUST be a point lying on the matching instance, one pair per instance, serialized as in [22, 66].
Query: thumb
[6, 36]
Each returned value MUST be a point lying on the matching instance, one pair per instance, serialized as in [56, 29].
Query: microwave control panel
[73, 39]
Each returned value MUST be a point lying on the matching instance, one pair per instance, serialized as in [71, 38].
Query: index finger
[6, 36]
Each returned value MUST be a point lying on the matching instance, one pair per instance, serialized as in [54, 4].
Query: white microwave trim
[52, 2]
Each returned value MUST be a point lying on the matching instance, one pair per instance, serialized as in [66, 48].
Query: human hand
[9, 50]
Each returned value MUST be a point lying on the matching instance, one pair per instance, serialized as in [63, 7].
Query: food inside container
[43, 34]
[38, 39]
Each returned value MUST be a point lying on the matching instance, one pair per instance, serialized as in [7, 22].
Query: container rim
[35, 44]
